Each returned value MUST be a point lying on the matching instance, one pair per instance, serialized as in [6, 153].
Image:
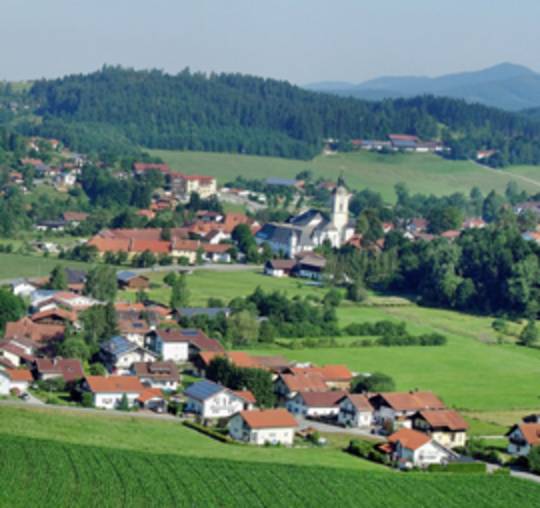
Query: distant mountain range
[506, 86]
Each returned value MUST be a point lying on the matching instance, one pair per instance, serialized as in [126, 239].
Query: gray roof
[284, 182]
[118, 346]
[202, 311]
[75, 276]
[203, 390]
[306, 217]
[125, 276]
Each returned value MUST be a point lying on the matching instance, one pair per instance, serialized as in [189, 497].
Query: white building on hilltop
[311, 228]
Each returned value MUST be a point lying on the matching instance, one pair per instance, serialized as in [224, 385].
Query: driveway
[328, 428]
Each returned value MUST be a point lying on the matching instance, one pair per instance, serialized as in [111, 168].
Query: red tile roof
[445, 419]
[75, 216]
[530, 432]
[408, 438]
[140, 167]
[69, 368]
[115, 384]
[158, 371]
[149, 394]
[412, 401]
[359, 401]
[18, 375]
[246, 395]
[304, 382]
[58, 312]
[268, 419]
[238, 358]
[322, 399]
[328, 372]
[26, 328]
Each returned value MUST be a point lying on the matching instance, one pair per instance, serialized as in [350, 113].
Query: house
[55, 316]
[134, 330]
[445, 426]
[132, 280]
[22, 288]
[74, 219]
[217, 253]
[14, 380]
[183, 185]
[528, 206]
[119, 354]
[274, 364]
[284, 182]
[152, 399]
[210, 400]
[69, 369]
[315, 404]
[141, 167]
[474, 223]
[15, 354]
[76, 280]
[51, 225]
[417, 225]
[355, 410]
[393, 406]
[311, 228]
[259, 427]
[108, 392]
[411, 448]
[522, 437]
[209, 312]
[181, 345]
[310, 266]
[162, 375]
[279, 267]
[404, 142]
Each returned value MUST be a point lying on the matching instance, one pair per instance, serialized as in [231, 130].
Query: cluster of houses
[399, 142]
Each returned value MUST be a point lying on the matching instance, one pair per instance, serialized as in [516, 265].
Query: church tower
[340, 208]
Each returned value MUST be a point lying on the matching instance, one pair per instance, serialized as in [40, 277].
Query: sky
[302, 41]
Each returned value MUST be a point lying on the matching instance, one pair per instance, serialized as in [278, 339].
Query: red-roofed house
[445, 426]
[522, 437]
[184, 185]
[288, 385]
[273, 426]
[14, 380]
[69, 369]
[355, 410]
[108, 391]
[27, 329]
[411, 448]
[152, 399]
[316, 404]
[180, 345]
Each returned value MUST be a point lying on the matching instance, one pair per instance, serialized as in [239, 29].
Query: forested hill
[245, 114]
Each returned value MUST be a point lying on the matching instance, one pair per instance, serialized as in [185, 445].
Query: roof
[284, 182]
[149, 394]
[202, 390]
[238, 358]
[359, 401]
[246, 395]
[281, 264]
[322, 399]
[118, 345]
[445, 419]
[194, 337]
[69, 368]
[202, 311]
[75, 216]
[133, 326]
[140, 167]
[304, 382]
[16, 351]
[37, 332]
[114, 384]
[19, 375]
[530, 432]
[327, 372]
[268, 419]
[56, 312]
[410, 439]
[158, 371]
[411, 401]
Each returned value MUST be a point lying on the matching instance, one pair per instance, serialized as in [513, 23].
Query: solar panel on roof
[190, 332]
[202, 390]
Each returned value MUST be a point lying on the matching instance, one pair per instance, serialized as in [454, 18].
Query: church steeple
[340, 206]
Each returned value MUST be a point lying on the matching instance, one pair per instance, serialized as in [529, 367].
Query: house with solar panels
[119, 354]
[210, 400]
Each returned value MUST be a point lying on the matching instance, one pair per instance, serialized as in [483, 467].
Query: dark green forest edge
[73, 474]
[116, 110]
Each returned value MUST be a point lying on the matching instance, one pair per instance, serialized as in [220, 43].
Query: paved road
[516, 473]
[335, 429]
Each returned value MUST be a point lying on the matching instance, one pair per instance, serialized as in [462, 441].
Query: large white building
[273, 426]
[311, 228]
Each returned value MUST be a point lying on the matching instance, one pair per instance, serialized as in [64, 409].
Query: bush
[367, 450]
[208, 431]
[87, 399]
[52, 385]
[458, 467]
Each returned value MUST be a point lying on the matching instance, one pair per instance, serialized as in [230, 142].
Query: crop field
[48, 473]
[424, 173]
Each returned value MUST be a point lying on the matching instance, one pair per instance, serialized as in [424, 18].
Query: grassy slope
[16, 265]
[424, 173]
[157, 437]
[470, 372]
[45, 473]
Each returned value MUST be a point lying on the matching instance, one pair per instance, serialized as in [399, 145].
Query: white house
[119, 354]
[210, 400]
[445, 426]
[279, 267]
[180, 345]
[415, 449]
[14, 379]
[108, 391]
[22, 288]
[315, 404]
[522, 437]
[273, 426]
[355, 410]
[162, 375]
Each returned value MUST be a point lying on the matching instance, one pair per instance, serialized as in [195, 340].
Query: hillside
[506, 86]
[244, 114]
[423, 173]
[72, 465]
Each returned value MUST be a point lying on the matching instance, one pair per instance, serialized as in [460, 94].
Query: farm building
[131, 280]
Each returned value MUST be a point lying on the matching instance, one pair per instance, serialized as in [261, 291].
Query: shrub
[208, 431]
[367, 450]
[458, 467]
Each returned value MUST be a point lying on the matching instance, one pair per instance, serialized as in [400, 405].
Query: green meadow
[423, 173]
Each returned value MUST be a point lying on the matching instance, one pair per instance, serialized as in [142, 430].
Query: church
[311, 228]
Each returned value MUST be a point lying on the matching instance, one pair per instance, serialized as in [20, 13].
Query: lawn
[152, 436]
[424, 173]
[17, 265]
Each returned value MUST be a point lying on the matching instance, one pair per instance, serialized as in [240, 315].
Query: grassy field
[47, 473]
[424, 173]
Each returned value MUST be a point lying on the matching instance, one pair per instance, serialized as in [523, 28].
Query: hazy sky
[299, 40]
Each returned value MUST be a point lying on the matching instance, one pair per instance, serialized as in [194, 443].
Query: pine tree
[180, 293]
[58, 279]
